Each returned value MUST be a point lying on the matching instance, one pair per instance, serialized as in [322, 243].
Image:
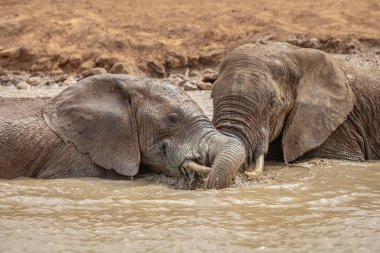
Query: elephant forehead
[243, 83]
[185, 105]
[169, 94]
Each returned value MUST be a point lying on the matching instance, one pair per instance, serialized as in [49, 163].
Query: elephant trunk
[225, 154]
[230, 118]
[226, 163]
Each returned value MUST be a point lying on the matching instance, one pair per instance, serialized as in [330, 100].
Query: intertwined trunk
[230, 157]
[239, 117]
[224, 154]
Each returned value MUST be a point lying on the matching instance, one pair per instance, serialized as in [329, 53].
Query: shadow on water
[319, 205]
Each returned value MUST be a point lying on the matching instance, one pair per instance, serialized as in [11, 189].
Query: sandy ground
[162, 36]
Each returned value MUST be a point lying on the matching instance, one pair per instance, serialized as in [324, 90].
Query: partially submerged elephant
[111, 124]
[291, 103]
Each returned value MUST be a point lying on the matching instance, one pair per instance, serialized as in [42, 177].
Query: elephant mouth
[193, 175]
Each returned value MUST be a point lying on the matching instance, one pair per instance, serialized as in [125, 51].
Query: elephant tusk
[190, 165]
[259, 167]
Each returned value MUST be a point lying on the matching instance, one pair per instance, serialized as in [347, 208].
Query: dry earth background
[160, 37]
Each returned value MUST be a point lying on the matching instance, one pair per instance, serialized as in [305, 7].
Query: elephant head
[267, 92]
[124, 122]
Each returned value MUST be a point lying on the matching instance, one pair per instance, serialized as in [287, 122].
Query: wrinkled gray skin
[291, 103]
[109, 125]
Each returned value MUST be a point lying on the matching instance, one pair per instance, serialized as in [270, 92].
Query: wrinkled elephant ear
[97, 117]
[323, 101]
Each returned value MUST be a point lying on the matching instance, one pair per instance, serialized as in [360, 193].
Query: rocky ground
[25, 80]
[45, 42]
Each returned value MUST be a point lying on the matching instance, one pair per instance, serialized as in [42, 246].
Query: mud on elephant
[111, 125]
[291, 103]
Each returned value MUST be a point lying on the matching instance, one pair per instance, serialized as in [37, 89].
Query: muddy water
[318, 206]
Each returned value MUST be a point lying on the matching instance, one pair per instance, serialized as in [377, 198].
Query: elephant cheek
[275, 132]
[276, 124]
[263, 141]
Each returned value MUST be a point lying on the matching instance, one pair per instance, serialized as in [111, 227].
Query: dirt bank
[160, 37]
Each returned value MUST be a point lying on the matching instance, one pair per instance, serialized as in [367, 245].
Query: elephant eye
[173, 118]
[272, 104]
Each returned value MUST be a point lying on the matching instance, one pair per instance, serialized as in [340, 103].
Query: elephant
[287, 103]
[109, 125]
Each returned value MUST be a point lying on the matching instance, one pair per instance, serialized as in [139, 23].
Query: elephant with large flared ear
[291, 103]
[107, 125]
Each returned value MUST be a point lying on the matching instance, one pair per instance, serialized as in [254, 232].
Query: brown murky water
[318, 206]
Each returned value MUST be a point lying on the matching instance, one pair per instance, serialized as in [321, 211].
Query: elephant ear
[97, 117]
[323, 101]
